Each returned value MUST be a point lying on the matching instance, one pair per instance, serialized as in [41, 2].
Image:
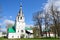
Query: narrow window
[18, 36]
[18, 19]
[18, 30]
[12, 36]
[21, 18]
[21, 30]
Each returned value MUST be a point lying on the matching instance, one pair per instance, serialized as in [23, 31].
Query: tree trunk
[49, 34]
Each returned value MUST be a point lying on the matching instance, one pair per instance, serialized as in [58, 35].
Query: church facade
[20, 30]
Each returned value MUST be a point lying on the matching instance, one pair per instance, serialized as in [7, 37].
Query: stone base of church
[14, 35]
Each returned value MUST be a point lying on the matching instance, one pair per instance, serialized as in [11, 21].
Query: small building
[29, 32]
[0, 34]
[51, 34]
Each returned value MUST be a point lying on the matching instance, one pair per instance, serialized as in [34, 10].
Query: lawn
[31, 39]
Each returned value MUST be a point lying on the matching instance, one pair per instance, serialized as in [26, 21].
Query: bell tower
[20, 16]
[20, 23]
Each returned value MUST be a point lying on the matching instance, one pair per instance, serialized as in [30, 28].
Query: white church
[20, 30]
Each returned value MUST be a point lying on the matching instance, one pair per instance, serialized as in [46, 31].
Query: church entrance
[22, 35]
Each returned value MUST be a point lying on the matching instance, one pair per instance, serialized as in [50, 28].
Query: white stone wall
[29, 35]
[51, 35]
[19, 27]
[0, 34]
[13, 35]
[31, 31]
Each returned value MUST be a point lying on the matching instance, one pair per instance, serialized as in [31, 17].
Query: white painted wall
[29, 35]
[13, 35]
[51, 35]
[0, 34]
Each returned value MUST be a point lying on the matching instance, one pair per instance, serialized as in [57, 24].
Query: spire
[20, 11]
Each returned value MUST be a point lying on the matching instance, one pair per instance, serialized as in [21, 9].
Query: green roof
[12, 29]
[26, 28]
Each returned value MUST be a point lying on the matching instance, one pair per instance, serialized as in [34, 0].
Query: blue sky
[10, 9]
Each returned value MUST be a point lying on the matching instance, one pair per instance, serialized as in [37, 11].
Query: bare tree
[38, 21]
[36, 32]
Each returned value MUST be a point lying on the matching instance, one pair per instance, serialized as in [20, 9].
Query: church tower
[20, 23]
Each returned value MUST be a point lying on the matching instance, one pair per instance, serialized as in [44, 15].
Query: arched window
[18, 36]
[21, 18]
[12, 36]
[22, 31]
[18, 30]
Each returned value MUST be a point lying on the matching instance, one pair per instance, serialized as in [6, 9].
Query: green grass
[39, 39]
[31, 39]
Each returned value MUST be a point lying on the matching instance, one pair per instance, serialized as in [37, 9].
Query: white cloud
[0, 24]
[10, 16]
[9, 22]
[3, 29]
[6, 22]
[43, 27]
[56, 3]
